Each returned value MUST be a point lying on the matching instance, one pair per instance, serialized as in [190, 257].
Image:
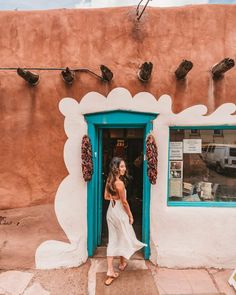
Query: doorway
[126, 143]
[123, 120]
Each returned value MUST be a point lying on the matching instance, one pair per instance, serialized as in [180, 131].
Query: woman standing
[122, 240]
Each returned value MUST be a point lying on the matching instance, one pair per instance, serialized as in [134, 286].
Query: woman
[122, 240]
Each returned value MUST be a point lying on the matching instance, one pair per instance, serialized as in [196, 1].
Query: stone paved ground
[170, 281]
[131, 282]
[82, 280]
[71, 281]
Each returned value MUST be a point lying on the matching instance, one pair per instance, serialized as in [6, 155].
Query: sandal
[110, 279]
[123, 267]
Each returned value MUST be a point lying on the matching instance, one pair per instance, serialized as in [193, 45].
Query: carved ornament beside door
[87, 158]
[151, 154]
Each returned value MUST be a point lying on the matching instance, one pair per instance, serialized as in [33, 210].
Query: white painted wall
[180, 236]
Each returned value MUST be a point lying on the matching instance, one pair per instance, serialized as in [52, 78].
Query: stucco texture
[31, 127]
[169, 247]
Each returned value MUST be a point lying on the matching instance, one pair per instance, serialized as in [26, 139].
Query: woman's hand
[131, 220]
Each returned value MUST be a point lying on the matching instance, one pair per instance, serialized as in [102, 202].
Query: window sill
[201, 204]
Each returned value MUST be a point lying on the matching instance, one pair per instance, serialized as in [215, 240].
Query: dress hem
[126, 255]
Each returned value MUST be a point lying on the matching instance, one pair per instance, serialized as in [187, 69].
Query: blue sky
[39, 4]
[46, 4]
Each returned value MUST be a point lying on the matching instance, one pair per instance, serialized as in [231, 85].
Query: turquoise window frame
[115, 119]
[195, 204]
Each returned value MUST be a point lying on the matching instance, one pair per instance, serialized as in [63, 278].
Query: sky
[45, 4]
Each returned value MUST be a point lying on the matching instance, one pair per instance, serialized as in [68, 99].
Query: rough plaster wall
[180, 236]
[31, 128]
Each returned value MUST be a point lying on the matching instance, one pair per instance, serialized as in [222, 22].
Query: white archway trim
[71, 196]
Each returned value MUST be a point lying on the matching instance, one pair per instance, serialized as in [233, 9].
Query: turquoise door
[146, 199]
[100, 187]
[114, 119]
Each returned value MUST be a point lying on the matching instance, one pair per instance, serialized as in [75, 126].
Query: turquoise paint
[122, 118]
[96, 187]
[168, 170]
[146, 198]
[224, 127]
[91, 194]
[202, 204]
[196, 204]
[100, 186]
[120, 126]
[113, 119]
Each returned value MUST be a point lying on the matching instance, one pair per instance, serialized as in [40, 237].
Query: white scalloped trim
[71, 196]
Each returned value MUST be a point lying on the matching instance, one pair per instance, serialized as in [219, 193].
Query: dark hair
[114, 171]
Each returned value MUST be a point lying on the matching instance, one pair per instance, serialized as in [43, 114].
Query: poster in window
[192, 146]
[176, 150]
[176, 169]
[176, 165]
[176, 188]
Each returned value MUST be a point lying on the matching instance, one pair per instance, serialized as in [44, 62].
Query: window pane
[232, 152]
[194, 131]
[218, 132]
[202, 168]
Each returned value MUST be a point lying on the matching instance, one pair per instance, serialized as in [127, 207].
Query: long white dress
[122, 240]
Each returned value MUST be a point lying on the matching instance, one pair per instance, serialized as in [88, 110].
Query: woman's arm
[121, 192]
[106, 194]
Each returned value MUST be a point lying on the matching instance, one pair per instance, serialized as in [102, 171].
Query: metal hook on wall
[137, 9]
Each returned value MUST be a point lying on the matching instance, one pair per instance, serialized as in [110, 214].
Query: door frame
[114, 119]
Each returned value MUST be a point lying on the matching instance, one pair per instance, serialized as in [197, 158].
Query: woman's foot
[110, 278]
[123, 266]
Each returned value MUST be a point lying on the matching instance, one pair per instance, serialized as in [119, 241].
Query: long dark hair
[113, 172]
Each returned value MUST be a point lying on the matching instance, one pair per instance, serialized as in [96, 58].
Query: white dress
[122, 240]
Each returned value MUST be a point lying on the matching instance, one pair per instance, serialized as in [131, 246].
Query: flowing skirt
[122, 240]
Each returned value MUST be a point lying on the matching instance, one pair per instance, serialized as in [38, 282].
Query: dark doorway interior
[128, 144]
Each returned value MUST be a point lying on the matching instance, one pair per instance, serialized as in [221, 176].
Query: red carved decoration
[87, 159]
[151, 154]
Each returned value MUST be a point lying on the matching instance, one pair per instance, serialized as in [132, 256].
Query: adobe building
[50, 216]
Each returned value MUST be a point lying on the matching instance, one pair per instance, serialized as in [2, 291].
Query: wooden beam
[145, 71]
[68, 75]
[222, 67]
[28, 76]
[107, 74]
[183, 69]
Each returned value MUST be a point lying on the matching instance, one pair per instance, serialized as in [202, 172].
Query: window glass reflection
[202, 166]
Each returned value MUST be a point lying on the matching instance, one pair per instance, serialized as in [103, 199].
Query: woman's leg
[123, 263]
[111, 275]
[122, 260]
[110, 269]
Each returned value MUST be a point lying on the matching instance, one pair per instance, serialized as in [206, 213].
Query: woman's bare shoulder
[119, 184]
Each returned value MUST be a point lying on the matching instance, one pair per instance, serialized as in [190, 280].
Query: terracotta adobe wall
[31, 126]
